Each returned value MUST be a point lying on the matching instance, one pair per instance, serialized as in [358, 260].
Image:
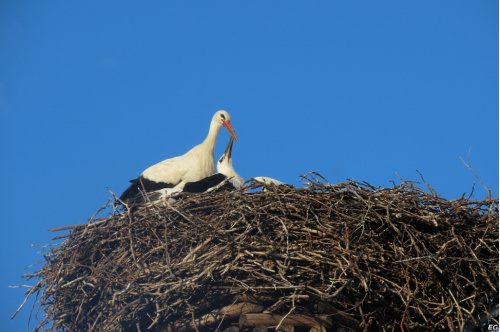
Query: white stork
[226, 177]
[194, 165]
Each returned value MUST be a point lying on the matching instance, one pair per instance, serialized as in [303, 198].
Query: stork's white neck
[211, 138]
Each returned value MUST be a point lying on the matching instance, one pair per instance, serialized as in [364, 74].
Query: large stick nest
[369, 258]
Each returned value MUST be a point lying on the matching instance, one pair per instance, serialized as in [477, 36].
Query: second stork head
[225, 164]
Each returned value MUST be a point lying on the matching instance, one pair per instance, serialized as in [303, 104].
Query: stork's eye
[223, 117]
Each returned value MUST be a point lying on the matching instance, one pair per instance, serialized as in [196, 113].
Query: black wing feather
[204, 184]
[145, 185]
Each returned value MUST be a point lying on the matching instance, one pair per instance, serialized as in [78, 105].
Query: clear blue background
[93, 92]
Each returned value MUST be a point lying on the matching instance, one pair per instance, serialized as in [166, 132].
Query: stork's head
[223, 119]
[225, 163]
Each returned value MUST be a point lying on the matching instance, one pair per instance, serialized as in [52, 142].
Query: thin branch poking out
[468, 164]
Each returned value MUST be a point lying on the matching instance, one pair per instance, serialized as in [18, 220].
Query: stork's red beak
[229, 127]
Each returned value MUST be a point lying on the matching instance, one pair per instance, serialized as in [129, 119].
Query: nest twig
[349, 254]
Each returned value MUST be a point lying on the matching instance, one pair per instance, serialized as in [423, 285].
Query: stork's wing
[204, 184]
[165, 174]
[142, 184]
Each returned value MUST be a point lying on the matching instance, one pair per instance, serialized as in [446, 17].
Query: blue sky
[94, 92]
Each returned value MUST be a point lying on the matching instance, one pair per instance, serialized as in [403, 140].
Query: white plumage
[194, 165]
